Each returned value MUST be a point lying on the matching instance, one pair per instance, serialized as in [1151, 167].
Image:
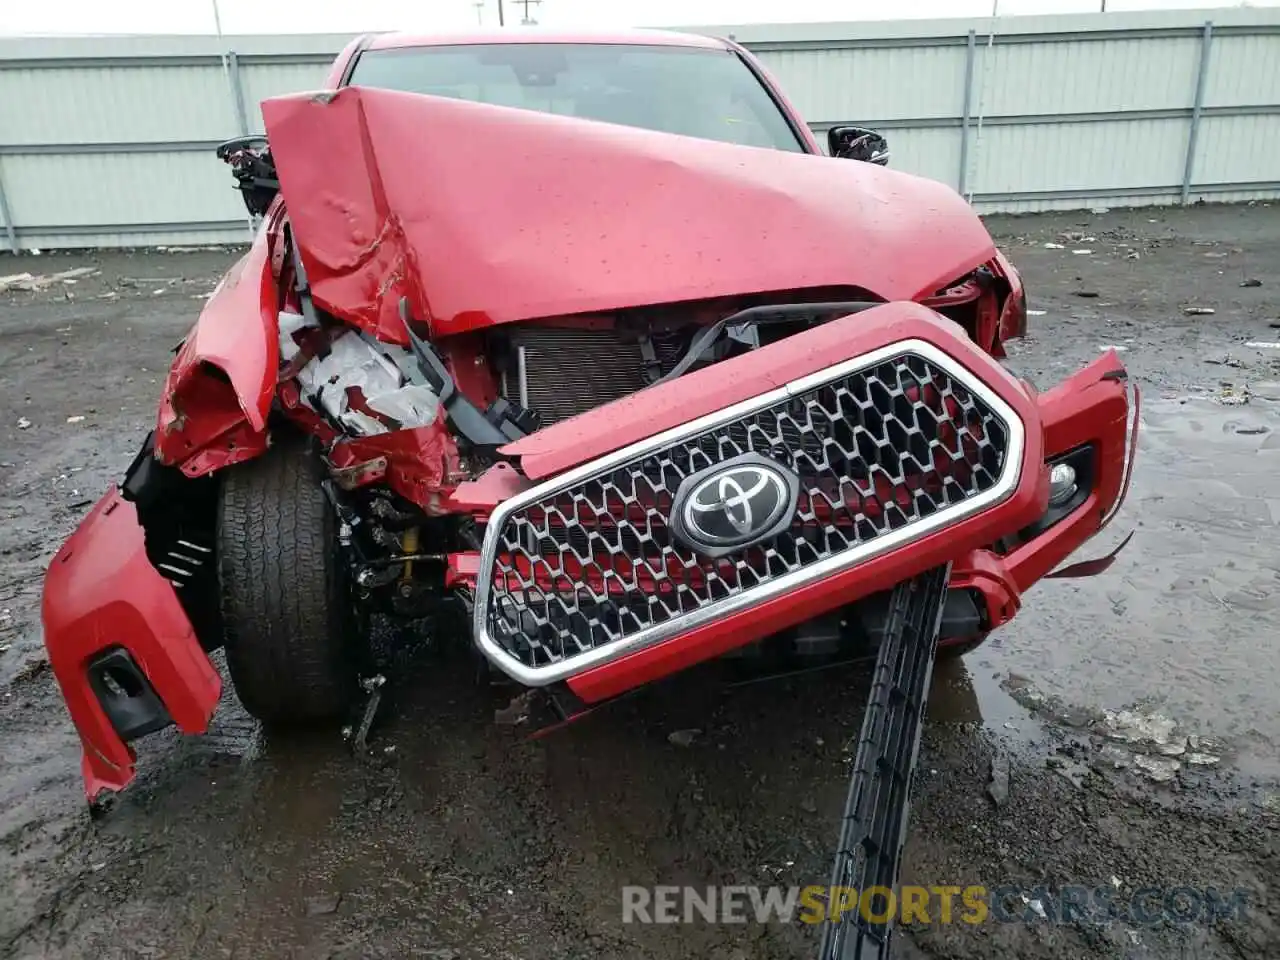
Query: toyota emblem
[734, 504]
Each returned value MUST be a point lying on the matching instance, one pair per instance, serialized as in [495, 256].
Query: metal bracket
[360, 736]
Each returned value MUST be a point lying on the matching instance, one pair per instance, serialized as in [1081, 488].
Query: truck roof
[666, 38]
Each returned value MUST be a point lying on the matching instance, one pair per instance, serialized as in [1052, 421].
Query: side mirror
[858, 143]
[255, 172]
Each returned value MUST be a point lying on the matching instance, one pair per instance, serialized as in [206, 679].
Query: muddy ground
[1137, 714]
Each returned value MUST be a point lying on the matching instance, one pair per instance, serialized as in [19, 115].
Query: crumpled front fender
[102, 593]
[213, 411]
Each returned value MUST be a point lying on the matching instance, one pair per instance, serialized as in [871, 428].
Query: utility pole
[527, 20]
[479, 5]
[502, 20]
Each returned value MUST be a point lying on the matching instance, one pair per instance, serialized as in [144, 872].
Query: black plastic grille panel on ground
[876, 450]
[874, 827]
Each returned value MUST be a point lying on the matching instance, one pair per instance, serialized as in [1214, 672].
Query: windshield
[693, 91]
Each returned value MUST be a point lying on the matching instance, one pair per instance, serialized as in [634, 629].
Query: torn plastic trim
[362, 384]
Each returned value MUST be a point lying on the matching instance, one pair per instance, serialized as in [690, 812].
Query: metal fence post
[970, 54]
[1206, 39]
[237, 91]
[10, 228]
[231, 68]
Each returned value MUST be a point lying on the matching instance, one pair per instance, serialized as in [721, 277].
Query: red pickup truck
[585, 339]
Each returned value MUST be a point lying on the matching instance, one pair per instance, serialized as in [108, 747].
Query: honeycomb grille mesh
[876, 450]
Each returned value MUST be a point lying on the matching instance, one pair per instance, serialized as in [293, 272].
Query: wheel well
[177, 514]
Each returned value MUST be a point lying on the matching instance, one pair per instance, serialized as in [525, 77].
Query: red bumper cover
[1091, 409]
[102, 593]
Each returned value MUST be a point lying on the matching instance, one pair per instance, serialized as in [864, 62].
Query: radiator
[569, 371]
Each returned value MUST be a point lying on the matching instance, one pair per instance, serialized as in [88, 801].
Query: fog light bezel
[125, 695]
[1081, 460]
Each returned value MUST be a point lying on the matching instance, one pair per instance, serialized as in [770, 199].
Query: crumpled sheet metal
[482, 215]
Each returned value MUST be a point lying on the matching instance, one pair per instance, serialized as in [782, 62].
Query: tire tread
[280, 587]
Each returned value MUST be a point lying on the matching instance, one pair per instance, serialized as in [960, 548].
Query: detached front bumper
[120, 644]
[911, 446]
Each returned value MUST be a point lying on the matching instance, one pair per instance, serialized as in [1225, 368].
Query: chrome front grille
[886, 448]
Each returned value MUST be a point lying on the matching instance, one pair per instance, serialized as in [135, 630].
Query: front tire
[286, 606]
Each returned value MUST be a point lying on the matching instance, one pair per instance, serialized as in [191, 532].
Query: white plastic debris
[1135, 727]
[413, 405]
[1082, 252]
[1202, 759]
[24, 423]
[355, 368]
[75, 419]
[1036, 906]
[1263, 344]
[1054, 246]
[1157, 768]
[16, 281]
[1036, 313]
[1199, 311]
[288, 324]
[32, 283]
[74, 274]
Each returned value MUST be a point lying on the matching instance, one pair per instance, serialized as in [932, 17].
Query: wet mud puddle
[1160, 669]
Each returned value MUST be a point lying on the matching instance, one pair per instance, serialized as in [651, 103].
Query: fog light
[1062, 484]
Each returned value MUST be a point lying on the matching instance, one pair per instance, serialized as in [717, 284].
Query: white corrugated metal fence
[109, 141]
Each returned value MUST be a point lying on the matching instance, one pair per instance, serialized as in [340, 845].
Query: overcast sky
[352, 16]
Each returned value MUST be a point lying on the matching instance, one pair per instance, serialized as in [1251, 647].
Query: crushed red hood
[483, 215]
